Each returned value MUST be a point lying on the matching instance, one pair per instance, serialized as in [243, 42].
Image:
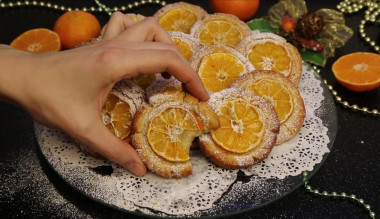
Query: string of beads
[101, 7]
[371, 13]
[342, 195]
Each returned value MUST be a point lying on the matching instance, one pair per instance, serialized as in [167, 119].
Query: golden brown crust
[154, 162]
[227, 159]
[293, 124]
[247, 43]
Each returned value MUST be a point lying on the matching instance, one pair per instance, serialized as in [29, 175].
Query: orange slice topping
[241, 129]
[219, 70]
[117, 116]
[276, 94]
[171, 129]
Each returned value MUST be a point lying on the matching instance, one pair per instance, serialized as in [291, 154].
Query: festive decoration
[342, 195]
[283, 16]
[317, 34]
[101, 7]
[371, 14]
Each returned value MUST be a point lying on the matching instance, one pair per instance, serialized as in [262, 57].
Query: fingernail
[136, 168]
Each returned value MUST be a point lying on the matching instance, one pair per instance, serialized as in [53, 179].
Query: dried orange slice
[165, 129]
[267, 51]
[241, 126]
[282, 94]
[186, 43]
[179, 16]
[359, 71]
[277, 94]
[220, 29]
[37, 41]
[219, 66]
[120, 107]
[171, 129]
[247, 132]
[120, 117]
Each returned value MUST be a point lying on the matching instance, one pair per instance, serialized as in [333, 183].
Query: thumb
[114, 149]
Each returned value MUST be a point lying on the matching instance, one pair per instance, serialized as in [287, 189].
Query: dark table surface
[30, 188]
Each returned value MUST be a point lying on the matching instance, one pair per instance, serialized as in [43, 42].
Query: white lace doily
[198, 193]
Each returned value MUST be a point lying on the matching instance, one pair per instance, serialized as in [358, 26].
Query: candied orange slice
[241, 126]
[165, 128]
[248, 131]
[282, 94]
[270, 56]
[219, 66]
[37, 41]
[186, 43]
[179, 16]
[120, 107]
[276, 94]
[219, 70]
[178, 20]
[267, 51]
[220, 29]
[168, 132]
[120, 118]
[184, 47]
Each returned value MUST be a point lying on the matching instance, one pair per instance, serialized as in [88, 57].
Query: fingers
[146, 30]
[114, 149]
[116, 25]
[121, 27]
[151, 61]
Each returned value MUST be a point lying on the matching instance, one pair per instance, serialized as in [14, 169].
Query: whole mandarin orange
[75, 27]
[243, 9]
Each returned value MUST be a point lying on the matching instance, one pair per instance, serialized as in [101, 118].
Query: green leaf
[261, 25]
[314, 57]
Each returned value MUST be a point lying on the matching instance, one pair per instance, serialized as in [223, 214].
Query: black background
[352, 166]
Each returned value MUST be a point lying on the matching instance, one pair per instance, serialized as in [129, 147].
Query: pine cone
[309, 25]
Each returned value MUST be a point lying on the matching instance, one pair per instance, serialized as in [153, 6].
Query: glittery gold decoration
[371, 16]
[342, 195]
[334, 34]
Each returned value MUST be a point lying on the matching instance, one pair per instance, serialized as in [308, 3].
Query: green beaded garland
[101, 7]
[341, 195]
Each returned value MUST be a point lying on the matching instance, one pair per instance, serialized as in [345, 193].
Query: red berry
[288, 24]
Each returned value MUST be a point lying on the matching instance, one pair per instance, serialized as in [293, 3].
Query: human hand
[66, 90]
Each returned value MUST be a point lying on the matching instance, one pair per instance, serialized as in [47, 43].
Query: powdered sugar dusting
[25, 172]
[130, 93]
[162, 84]
[210, 190]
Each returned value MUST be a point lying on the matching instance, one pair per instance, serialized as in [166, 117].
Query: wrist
[13, 73]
